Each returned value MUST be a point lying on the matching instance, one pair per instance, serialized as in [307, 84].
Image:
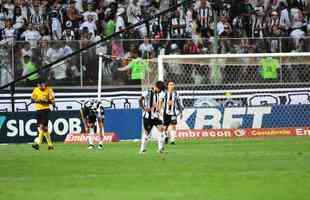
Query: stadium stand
[47, 30]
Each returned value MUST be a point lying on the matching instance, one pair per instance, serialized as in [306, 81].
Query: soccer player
[149, 102]
[44, 97]
[170, 105]
[91, 112]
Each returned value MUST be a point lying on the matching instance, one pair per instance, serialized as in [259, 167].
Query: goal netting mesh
[194, 74]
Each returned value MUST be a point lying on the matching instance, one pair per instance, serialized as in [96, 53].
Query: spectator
[190, 47]
[55, 23]
[90, 12]
[31, 35]
[90, 25]
[227, 30]
[19, 22]
[73, 14]
[220, 25]
[247, 11]
[146, 49]
[44, 32]
[133, 12]
[117, 49]
[10, 9]
[274, 41]
[29, 67]
[26, 50]
[273, 20]
[178, 25]
[296, 16]
[138, 68]
[285, 22]
[120, 22]
[3, 17]
[156, 28]
[189, 18]
[238, 27]
[36, 19]
[110, 25]
[259, 23]
[9, 31]
[205, 16]
[54, 53]
[25, 9]
[68, 34]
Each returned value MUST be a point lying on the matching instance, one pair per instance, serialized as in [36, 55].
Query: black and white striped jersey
[93, 107]
[171, 103]
[150, 99]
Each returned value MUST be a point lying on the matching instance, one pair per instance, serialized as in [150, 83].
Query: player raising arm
[91, 112]
[170, 105]
[149, 102]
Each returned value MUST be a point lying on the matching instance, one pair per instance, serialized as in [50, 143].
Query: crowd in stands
[190, 29]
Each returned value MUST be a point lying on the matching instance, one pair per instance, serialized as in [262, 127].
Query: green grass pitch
[240, 169]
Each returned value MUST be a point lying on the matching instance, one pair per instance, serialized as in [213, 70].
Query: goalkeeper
[43, 96]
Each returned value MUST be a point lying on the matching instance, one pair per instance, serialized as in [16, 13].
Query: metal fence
[19, 58]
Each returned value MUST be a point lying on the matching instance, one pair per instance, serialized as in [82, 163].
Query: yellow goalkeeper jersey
[43, 98]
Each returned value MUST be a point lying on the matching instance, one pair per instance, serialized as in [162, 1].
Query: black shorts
[170, 120]
[149, 123]
[91, 119]
[42, 117]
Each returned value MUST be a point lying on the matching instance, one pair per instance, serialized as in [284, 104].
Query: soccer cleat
[142, 151]
[172, 143]
[166, 140]
[50, 147]
[35, 146]
[90, 147]
[162, 150]
[100, 146]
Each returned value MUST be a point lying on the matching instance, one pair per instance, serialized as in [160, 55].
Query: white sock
[166, 134]
[102, 136]
[144, 141]
[172, 135]
[91, 136]
[161, 139]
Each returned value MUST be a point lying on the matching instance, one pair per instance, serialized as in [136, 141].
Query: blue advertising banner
[126, 123]
[21, 127]
[277, 116]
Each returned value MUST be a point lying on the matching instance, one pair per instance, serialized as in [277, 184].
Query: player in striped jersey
[91, 112]
[171, 105]
[149, 104]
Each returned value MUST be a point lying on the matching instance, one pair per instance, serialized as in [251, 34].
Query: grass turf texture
[251, 169]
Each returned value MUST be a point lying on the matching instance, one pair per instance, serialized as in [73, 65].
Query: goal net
[194, 75]
[267, 90]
